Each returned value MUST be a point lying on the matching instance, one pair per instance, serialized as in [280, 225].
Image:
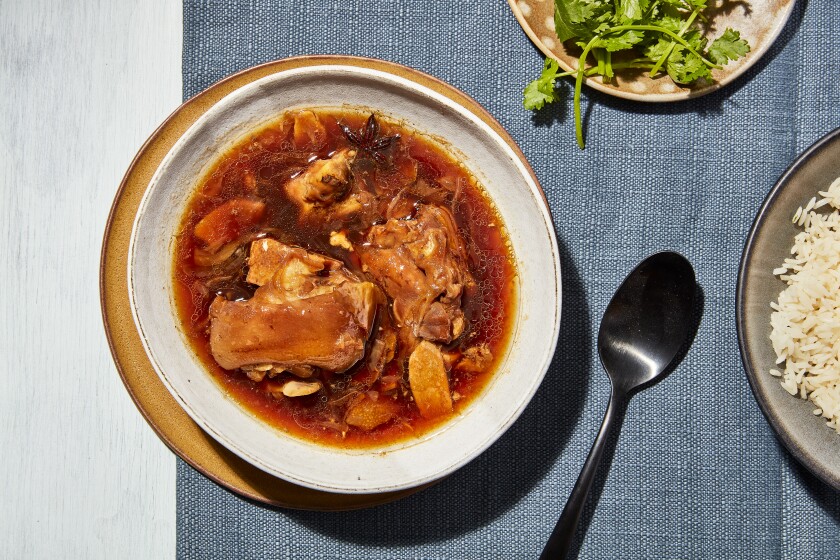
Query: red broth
[258, 167]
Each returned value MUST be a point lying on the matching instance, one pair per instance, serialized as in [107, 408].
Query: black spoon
[646, 324]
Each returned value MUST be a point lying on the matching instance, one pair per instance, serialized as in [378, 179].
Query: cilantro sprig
[660, 36]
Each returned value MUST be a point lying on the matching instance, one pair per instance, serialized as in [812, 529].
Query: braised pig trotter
[421, 264]
[310, 311]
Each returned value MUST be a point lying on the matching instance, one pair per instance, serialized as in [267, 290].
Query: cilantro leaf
[620, 41]
[685, 67]
[541, 91]
[696, 40]
[580, 18]
[631, 10]
[671, 22]
[728, 46]
[579, 11]
[563, 25]
[657, 50]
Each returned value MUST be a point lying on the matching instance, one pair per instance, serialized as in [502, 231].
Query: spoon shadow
[612, 441]
[497, 480]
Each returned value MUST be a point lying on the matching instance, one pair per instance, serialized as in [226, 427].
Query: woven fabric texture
[696, 471]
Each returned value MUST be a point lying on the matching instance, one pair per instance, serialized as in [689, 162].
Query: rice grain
[806, 318]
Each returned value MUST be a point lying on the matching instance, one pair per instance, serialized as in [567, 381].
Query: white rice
[806, 318]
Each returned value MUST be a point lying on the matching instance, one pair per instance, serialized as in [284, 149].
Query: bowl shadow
[826, 497]
[441, 511]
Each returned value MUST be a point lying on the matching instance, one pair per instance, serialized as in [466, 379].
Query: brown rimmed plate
[806, 436]
[150, 395]
[759, 21]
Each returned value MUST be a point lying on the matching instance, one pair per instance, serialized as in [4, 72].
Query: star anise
[367, 139]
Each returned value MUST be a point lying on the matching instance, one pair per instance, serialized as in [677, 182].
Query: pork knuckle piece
[308, 311]
[325, 189]
[324, 182]
[421, 265]
[225, 223]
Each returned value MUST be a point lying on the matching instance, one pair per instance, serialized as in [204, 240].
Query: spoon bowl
[647, 323]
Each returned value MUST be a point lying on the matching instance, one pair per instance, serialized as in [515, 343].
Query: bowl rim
[799, 452]
[418, 79]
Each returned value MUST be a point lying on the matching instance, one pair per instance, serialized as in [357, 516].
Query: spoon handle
[564, 531]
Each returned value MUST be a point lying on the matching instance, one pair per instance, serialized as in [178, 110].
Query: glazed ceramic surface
[498, 167]
[759, 22]
[804, 434]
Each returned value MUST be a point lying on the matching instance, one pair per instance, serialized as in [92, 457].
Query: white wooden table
[82, 84]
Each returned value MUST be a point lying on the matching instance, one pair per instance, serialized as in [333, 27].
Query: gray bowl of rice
[788, 308]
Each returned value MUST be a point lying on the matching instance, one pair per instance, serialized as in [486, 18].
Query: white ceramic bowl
[497, 165]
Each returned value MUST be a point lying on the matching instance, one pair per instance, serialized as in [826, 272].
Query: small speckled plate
[759, 21]
[178, 401]
[805, 435]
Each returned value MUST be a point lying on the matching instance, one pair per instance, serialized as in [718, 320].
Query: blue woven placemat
[697, 472]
